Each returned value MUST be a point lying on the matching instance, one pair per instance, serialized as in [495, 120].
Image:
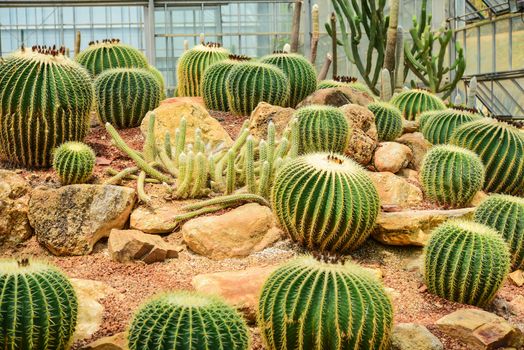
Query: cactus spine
[74, 162]
[414, 102]
[388, 119]
[439, 126]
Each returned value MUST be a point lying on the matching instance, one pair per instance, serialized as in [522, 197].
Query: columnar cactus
[451, 175]
[187, 321]
[125, 95]
[192, 65]
[388, 119]
[506, 215]
[439, 126]
[45, 100]
[414, 102]
[500, 146]
[343, 81]
[325, 202]
[74, 162]
[310, 304]
[38, 306]
[466, 262]
[249, 83]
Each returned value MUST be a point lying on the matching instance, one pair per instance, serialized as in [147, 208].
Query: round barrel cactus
[388, 119]
[300, 73]
[311, 304]
[451, 175]
[192, 65]
[500, 146]
[505, 214]
[125, 95]
[38, 306]
[414, 102]
[250, 83]
[74, 162]
[438, 127]
[466, 262]
[45, 100]
[325, 202]
[108, 54]
[187, 321]
[344, 81]
[161, 82]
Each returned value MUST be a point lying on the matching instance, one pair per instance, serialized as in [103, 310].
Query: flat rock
[364, 137]
[516, 305]
[410, 336]
[337, 97]
[115, 342]
[395, 191]
[418, 145]
[71, 219]
[392, 157]
[263, 114]
[517, 277]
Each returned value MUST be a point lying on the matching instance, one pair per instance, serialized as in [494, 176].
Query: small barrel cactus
[74, 162]
[414, 102]
[466, 262]
[451, 175]
[192, 65]
[187, 321]
[325, 202]
[249, 83]
[388, 119]
[38, 306]
[500, 146]
[45, 100]
[125, 95]
[342, 81]
[506, 215]
[300, 73]
[109, 54]
[438, 127]
[322, 129]
[310, 304]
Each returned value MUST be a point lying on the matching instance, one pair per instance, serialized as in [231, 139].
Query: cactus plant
[38, 306]
[466, 262]
[187, 321]
[505, 214]
[325, 202]
[439, 126]
[388, 119]
[500, 146]
[344, 81]
[414, 102]
[74, 162]
[161, 82]
[45, 100]
[451, 175]
[311, 304]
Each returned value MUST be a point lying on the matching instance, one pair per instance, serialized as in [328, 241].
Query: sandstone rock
[409, 126]
[419, 146]
[364, 138]
[157, 219]
[186, 99]
[238, 233]
[517, 277]
[264, 113]
[479, 197]
[14, 205]
[71, 219]
[516, 305]
[395, 191]
[115, 342]
[409, 174]
[410, 336]
[392, 157]
[337, 97]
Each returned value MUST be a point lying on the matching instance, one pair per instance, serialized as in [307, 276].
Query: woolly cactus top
[189, 300]
[22, 266]
[239, 58]
[45, 55]
[335, 163]
[467, 227]
[210, 47]
[331, 263]
[454, 149]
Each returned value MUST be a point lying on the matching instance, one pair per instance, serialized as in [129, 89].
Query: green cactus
[125, 95]
[192, 65]
[439, 126]
[325, 202]
[424, 117]
[310, 304]
[451, 175]
[506, 215]
[74, 162]
[344, 81]
[500, 146]
[466, 262]
[388, 119]
[161, 82]
[187, 321]
[45, 100]
[108, 54]
[38, 306]
[416, 101]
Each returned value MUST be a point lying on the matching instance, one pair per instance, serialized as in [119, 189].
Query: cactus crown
[463, 108]
[239, 58]
[345, 79]
[416, 101]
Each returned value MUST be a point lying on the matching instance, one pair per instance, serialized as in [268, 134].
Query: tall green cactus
[45, 100]
[38, 306]
[388, 119]
[310, 304]
[74, 162]
[344, 81]
[187, 321]
[466, 262]
[414, 102]
[439, 126]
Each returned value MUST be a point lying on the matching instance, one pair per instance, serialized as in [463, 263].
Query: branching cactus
[439, 126]
[388, 119]
[187, 321]
[466, 262]
[45, 100]
[74, 162]
[311, 304]
[38, 306]
[414, 102]
[344, 81]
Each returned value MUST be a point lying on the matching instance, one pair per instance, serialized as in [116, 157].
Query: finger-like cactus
[161, 82]
[342, 81]
[388, 119]
[500, 146]
[125, 95]
[414, 102]
[309, 304]
[325, 202]
[187, 321]
[505, 214]
[439, 126]
[74, 162]
[466, 262]
[38, 306]
[45, 100]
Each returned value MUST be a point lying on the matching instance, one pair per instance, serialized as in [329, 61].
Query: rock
[157, 219]
[410, 336]
[479, 197]
[115, 342]
[392, 157]
[409, 126]
[395, 191]
[186, 99]
[129, 245]
[364, 138]
[517, 277]
[264, 113]
[14, 206]
[516, 305]
[71, 219]
[409, 174]
[480, 329]
[238, 233]
[337, 97]
[418, 145]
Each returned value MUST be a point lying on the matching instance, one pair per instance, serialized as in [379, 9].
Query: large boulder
[418, 145]
[71, 219]
[337, 97]
[392, 157]
[411, 336]
[263, 114]
[364, 138]
[396, 192]
[14, 206]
